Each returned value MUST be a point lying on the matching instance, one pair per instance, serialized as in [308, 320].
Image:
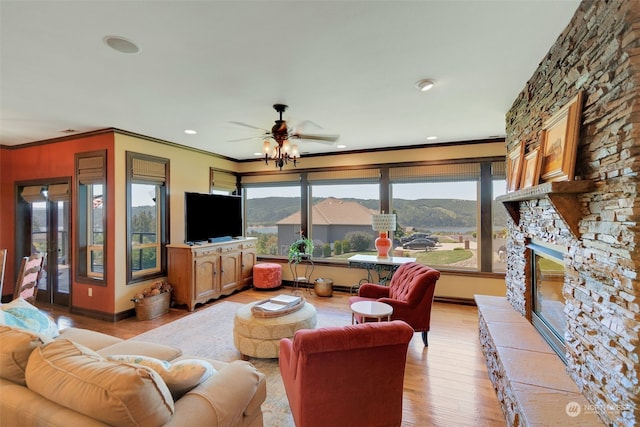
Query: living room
[601, 300]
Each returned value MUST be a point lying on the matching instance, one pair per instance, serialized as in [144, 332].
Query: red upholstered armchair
[346, 376]
[410, 293]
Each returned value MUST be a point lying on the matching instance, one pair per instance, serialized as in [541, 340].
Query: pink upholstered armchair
[346, 376]
[410, 293]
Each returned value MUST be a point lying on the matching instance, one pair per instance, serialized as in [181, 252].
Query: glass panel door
[45, 229]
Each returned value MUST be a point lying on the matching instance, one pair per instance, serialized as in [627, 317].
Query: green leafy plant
[301, 248]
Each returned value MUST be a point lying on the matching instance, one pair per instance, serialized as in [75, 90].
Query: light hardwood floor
[446, 384]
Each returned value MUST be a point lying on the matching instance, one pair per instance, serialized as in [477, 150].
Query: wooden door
[229, 272]
[248, 261]
[206, 277]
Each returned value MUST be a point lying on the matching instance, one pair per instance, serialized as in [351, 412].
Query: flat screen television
[211, 216]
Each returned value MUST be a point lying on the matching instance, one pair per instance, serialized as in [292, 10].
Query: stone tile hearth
[532, 383]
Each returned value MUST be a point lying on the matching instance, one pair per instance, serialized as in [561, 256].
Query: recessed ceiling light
[431, 138]
[257, 154]
[424, 84]
[121, 44]
[341, 146]
[190, 132]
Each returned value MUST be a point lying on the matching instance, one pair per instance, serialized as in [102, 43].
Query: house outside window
[341, 218]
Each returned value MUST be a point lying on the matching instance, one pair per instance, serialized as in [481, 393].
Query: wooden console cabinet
[204, 272]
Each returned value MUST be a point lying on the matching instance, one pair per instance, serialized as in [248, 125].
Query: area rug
[209, 333]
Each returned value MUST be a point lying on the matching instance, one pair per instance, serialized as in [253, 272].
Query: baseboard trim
[100, 315]
[353, 290]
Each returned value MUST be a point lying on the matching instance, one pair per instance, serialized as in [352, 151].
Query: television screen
[209, 216]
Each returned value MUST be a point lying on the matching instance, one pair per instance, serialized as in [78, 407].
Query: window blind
[33, 194]
[499, 170]
[285, 178]
[436, 173]
[58, 193]
[148, 170]
[222, 180]
[360, 175]
[91, 169]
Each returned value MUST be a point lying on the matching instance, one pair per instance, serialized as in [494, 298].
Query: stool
[267, 275]
[260, 336]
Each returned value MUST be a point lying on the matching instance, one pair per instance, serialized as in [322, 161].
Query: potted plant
[300, 249]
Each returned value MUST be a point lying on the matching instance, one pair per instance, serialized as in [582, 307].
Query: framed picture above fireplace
[514, 167]
[530, 169]
[560, 142]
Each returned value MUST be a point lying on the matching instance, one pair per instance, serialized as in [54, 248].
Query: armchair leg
[424, 338]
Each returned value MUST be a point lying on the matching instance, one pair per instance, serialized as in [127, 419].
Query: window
[95, 230]
[146, 216]
[451, 204]
[342, 206]
[91, 218]
[443, 212]
[499, 222]
[221, 182]
[273, 217]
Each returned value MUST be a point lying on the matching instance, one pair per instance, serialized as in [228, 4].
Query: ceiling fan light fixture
[284, 151]
[425, 84]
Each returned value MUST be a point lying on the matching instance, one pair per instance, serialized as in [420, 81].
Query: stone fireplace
[593, 219]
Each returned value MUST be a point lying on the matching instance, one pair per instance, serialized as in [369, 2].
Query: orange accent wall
[55, 160]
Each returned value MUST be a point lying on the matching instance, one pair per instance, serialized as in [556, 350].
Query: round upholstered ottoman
[267, 275]
[260, 336]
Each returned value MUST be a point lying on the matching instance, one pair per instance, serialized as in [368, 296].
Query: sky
[448, 190]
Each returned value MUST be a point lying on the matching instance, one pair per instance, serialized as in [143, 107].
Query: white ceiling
[348, 66]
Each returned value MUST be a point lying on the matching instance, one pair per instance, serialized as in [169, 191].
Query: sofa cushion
[91, 339]
[78, 378]
[17, 345]
[180, 376]
[142, 348]
[26, 316]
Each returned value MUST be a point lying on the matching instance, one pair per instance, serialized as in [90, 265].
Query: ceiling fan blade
[304, 123]
[329, 139]
[251, 137]
[246, 125]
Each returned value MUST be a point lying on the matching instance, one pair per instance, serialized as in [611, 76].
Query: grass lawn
[441, 257]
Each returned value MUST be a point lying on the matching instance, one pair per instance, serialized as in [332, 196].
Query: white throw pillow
[179, 376]
[19, 313]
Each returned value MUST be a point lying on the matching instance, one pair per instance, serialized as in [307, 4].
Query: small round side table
[370, 309]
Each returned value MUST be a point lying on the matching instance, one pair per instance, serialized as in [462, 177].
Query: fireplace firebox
[547, 300]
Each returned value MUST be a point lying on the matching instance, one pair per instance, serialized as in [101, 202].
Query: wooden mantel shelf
[563, 195]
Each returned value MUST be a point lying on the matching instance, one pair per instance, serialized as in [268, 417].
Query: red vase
[383, 245]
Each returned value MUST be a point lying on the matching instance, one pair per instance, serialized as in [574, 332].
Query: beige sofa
[69, 381]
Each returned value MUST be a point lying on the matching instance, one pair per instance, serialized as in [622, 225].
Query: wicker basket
[153, 306]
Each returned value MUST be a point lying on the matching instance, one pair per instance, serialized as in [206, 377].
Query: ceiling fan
[282, 132]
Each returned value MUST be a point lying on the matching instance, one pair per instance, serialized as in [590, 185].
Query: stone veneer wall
[599, 54]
